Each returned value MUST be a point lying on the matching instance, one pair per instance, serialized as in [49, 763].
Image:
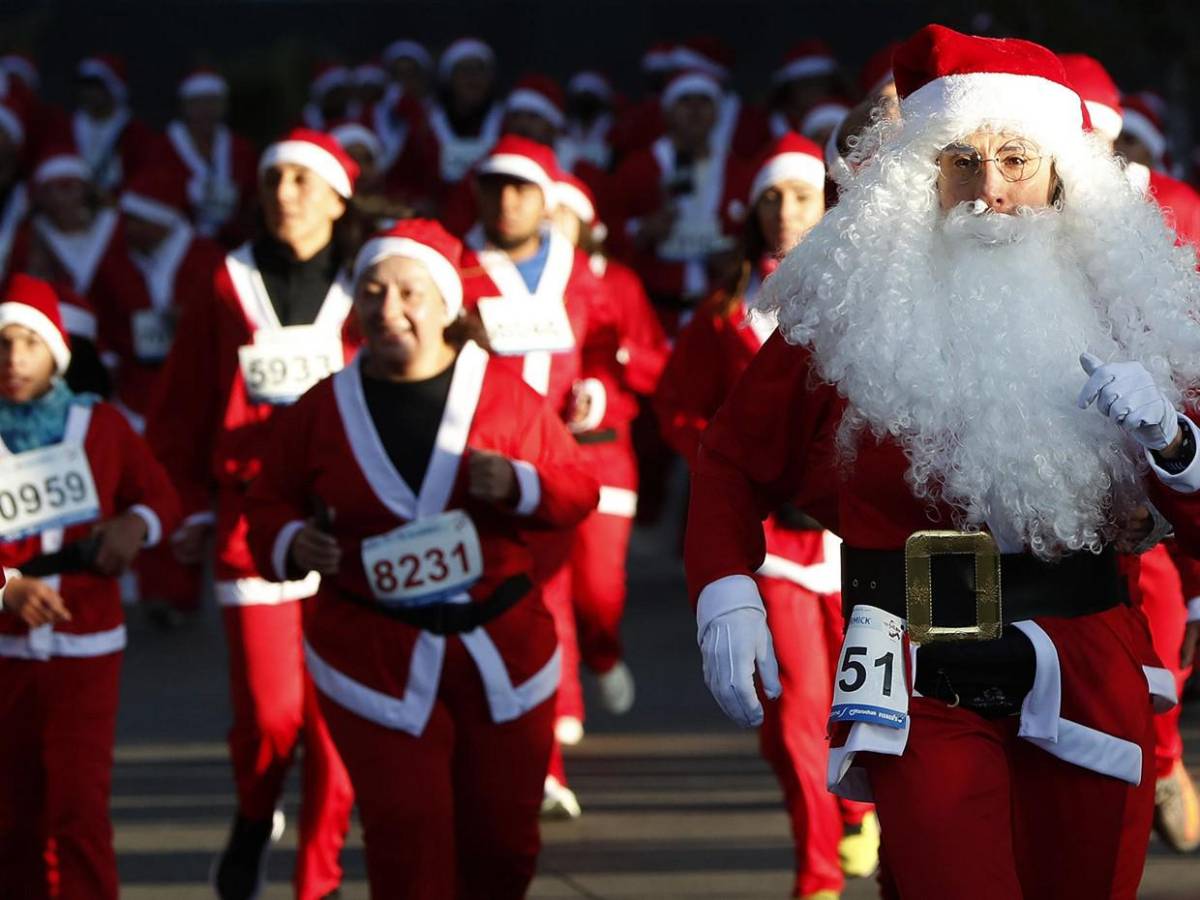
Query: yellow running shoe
[822, 895]
[1177, 810]
[859, 848]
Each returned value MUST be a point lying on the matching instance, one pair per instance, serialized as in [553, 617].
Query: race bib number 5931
[281, 365]
[424, 562]
[50, 487]
[871, 684]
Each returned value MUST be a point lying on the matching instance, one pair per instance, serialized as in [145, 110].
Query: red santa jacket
[138, 303]
[566, 279]
[773, 440]
[675, 268]
[114, 150]
[709, 357]
[410, 151]
[220, 188]
[325, 451]
[127, 478]
[742, 128]
[13, 214]
[204, 424]
[458, 153]
[70, 258]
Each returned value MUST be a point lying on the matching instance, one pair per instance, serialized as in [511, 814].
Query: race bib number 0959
[280, 366]
[424, 562]
[50, 487]
[871, 682]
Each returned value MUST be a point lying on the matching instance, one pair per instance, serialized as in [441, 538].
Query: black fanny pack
[453, 618]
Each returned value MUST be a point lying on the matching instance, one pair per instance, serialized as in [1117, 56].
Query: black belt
[79, 556]
[454, 618]
[599, 436]
[1027, 587]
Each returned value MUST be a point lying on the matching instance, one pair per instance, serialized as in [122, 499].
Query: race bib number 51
[424, 562]
[50, 487]
[871, 685]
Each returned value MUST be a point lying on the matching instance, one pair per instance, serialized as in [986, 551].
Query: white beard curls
[960, 337]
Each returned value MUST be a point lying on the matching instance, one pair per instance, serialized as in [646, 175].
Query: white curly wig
[959, 334]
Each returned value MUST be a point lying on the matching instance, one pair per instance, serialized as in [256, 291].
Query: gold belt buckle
[919, 549]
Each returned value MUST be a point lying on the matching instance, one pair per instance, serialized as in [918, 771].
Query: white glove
[734, 643]
[1125, 392]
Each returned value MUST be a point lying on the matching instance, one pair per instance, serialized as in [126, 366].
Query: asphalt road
[676, 802]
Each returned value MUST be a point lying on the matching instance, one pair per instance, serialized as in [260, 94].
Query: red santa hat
[590, 81]
[806, 59]
[573, 193]
[109, 70]
[462, 49]
[827, 114]
[427, 242]
[370, 72]
[1100, 94]
[22, 65]
[406, 49]
[60, 161]
[792, 157]
[705, 53]
[316, 151]
[351, 131]
[519, 157]
[11, 124]
[203, 82]
[328, 76]
[158, 195]
[960, 81]
[540, 95]
[659, 57]
[877, 71]
[1144, 120]
[33, 304]
[688, 84]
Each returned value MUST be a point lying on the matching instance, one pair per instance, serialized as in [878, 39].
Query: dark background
[267, 48]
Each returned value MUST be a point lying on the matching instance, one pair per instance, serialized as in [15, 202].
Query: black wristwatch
[1187, 452]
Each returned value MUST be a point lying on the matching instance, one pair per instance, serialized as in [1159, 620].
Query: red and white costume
[221, 183]
[213, 448]
[59, 683]
[121, 144]
[458, 153]
[401, 701]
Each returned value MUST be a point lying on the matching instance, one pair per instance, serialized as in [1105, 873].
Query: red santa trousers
[58, 721]
[452, 813]
[274, 709]
[1165, 609]
[971, 810]
[598, 586]
[807, 632]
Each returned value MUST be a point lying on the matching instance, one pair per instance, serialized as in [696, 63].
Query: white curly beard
[960, 336]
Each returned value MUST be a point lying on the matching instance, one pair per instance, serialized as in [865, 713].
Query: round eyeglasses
[961, 163]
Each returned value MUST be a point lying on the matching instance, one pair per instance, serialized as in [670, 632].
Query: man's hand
[313, 550]
[34, 602]
[490, 476]
[1187, 655]
[1127, 394]
[189, 542]
[733, 645]
[121, 538]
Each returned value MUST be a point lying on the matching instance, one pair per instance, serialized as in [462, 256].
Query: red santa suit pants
[806, 629]
[58, 722]
[972, 811]
[453, 813]
[1166, 611]
[274, 709]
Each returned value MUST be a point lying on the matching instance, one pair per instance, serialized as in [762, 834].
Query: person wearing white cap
[110, 139]
[102, 498]
[466, 119]
[14, 195]
[272, 324]
[219, 163]
[537, 300]
[668, 221]
[410, 66]
[799, 580]
[984, 354]
[437, 683]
